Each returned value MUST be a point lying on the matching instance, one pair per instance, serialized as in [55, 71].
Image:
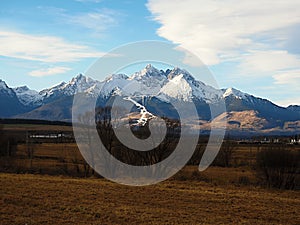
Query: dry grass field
[219, 195]
[42, 199]
[36, 127]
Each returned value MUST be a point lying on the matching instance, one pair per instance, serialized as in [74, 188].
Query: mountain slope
[153, 89]
[28, 97]
[58, 110]
[9, 102]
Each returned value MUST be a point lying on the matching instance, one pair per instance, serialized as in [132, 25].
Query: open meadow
[46, 181]
[43, 199]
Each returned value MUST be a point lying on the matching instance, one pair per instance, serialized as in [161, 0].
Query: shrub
[278, 167]
[225, 155]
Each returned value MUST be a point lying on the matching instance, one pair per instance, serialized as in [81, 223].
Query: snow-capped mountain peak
[27, 96]
[21, 89]
[177, 88]
[5, 88]
[78, 84]
[177, 84]
[3, 85]
[148, 71]
[116, 76]
[235, 93]
[182, 85]
[177, 71]
[81, 79]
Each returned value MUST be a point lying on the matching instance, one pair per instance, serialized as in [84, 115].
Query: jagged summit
[116, 76]
[170, 84]
[5, 89]
[3, 84]
[148, 71]
[22, 88]
[80, 78]
[27, 96]
[235, 93]
[151, 86]
[177, 71]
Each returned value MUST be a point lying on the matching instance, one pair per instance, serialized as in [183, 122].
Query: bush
[3, 142]
[225, 155]
[278, 167]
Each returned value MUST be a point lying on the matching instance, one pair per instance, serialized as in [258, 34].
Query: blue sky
[252, 46]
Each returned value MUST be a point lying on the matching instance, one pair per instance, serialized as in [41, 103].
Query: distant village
[291, 140]
[68, 136]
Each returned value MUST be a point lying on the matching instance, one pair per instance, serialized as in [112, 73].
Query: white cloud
[222, 29]
[97, 21]
[49, 71]
[42, 48]
[291, 78]
[258, 38]
[288, 82]
[269, 61]
[289, 101]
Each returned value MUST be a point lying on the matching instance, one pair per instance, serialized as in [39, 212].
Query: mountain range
[244, 112]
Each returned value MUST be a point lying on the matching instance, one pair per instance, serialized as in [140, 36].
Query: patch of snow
[173, 84]
[178, 88]
[183, 86]
[145, 115]
[234, 92]
[27, 96]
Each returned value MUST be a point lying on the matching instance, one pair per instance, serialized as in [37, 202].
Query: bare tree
[225, 155]
[86, 120]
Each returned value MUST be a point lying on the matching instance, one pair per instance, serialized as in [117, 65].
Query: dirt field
[42, 199]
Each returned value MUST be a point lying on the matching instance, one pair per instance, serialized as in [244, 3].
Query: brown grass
[36, 127]
[37, 199]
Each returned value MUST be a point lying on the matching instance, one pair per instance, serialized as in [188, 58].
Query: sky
[250, 45]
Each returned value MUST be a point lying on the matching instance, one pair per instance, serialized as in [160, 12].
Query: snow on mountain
[5, 89]
[78, 84]
[166, 85]
[148, 81]
[183, 86]
[112, 83]
[149, 71]
[27, 96]
[235, 93]
[52, 90]
[9, 103]
[177, 88]
[145, 115]
[55, 103]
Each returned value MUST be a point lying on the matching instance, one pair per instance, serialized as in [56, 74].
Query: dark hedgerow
[278, 167]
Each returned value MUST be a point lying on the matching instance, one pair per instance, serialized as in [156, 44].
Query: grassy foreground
[41, 199]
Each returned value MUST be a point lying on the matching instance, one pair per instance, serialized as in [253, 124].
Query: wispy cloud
[42, 48]
[292, 77]
[259, 39]
[289, 101]
[49, 71]
[97, 21]
[269, 62]
[221, 30]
